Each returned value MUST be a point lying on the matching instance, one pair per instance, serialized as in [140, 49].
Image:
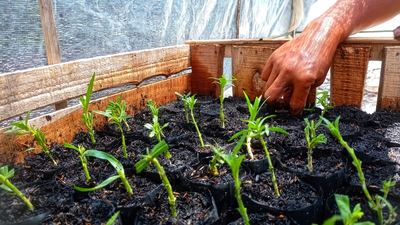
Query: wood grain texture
[207, 61]
[389, 85]
[61, 126]
[348, 74]
[247, 65]
[26, 90]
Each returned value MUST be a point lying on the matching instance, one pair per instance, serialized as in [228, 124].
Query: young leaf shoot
[185, 98]
[119, 107]
[115, 163]
[223, 82]
[81, 151]
[37, 133]
[312, 140]
[151, 157]
[87, 117]
[5, 174]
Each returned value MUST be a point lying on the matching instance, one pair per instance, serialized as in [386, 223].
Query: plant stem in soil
[171, 197]
[248, 145]
[309, 160]
[197, 128]
[126, 183]
[123, 140]
[15, 190]
[271, 167]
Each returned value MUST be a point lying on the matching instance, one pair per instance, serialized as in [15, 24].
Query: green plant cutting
[322, 100]
[87, 117]
[257, 129]
[223, 82]
[216, 160]
[30, 129]
[334, 128]
[5, 175]
[115, 163]
[234, 161]
[193, 101]
[117, 119]
[253, 111]
[156, 128]
[346, 215]
[152, 157]
[185, 98]
[82, 156]
[312, 140]
[119, 107]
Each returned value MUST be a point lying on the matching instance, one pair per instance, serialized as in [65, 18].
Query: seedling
[377, 206]
[5, 174]
[253, 110]
[216, 160]
[312, 140]
[193, 101]
[257, 129]
[346, 215]
[234, 162]
[223, 82]
[87, 117]
[185, 98]
[151, 157]
[82, 155]
[37, 133]
[119, 107]
[156, 128]
[117, 119]
[115, 163]
[322, 100]
[381, 202]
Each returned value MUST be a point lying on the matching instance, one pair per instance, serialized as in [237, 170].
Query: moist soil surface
[50, 188]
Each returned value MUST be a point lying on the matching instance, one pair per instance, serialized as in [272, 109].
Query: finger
[267, 69]
[274, 95]
[272, 77]
[299, 98]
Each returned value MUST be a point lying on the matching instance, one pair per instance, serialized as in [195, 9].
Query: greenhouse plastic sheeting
[89, 28]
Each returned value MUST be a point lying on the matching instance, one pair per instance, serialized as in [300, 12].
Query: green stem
[44, 147]
[123, 178]
[197, 128]
[213, 165]
[91, 133]
[357, 164]
[221, 110]
[248, 145]
[16, 191]
[187, 115]
[309, 159]
[242, 210]
[127, 126]
[271, 167]
[123, 140]
[167, 185]
[84, 165]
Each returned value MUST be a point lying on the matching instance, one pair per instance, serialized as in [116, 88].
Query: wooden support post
[207, 61]
[247, 65]
[50, 38]
[389, 91]
[348, 73]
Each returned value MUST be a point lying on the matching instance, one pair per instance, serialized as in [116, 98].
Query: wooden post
[50, 38]
[389, 91]
[207, 61]
[348, 73]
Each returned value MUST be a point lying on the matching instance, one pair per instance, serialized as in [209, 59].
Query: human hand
[297, 66]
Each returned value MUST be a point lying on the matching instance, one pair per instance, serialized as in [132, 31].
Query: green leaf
[5, 187]
[343, 203]
[159, 149]
[277, 129]
[67, 145]
[238, 134]
[89, 92]
[6, 173]
[144, 163]
[103, 155]
[239, 145]
[101, 185]
[113, 218]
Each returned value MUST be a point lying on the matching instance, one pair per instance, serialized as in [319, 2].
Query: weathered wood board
[26, 90]
[61, 126]
[389, 85]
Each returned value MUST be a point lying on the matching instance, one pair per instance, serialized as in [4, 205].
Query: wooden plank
[247, 65]
[348, 74]
[61, 126]
[389, 91]
[26, 90]
[50, 38]
[207, 61]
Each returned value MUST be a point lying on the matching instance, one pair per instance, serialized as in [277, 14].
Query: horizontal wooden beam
[61, 126]
[26, 90]
[377, 44]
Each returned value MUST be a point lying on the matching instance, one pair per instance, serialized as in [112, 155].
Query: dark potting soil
[191, 207]
[263, 218]
[365, 132]
[324, 162]
[294, 193]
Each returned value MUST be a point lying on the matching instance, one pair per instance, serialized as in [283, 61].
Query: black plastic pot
[256, 216]
[329, 183]
[174, 175]
[210, 218]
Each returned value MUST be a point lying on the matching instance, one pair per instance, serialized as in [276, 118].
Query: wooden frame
[26, 90]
